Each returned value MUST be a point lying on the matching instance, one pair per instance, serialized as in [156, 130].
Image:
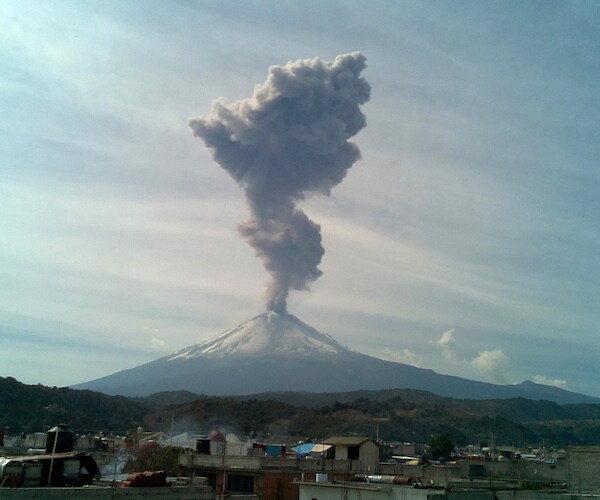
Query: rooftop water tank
[59, 439]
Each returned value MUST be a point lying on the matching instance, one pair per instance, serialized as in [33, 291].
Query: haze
[464, 240]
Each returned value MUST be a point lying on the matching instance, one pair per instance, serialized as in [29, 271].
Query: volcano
[278, 352]
[269, 334]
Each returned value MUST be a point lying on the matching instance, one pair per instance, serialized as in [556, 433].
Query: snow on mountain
[278, 352]
[269, 333]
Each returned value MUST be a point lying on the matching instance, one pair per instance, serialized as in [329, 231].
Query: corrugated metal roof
[347, 440]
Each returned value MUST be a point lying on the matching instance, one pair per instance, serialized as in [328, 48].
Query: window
[240, 484]
[353, 452]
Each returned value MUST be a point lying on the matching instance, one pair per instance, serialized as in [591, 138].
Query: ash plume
[287, 141]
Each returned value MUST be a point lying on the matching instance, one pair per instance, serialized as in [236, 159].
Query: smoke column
[289, 140]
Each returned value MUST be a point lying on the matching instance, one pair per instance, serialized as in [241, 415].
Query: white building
[363, 451]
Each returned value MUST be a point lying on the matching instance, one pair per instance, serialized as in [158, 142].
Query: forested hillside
[399, 415]
[33, 408]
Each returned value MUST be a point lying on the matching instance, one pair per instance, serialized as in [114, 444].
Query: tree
[440, 447]
[166, 458]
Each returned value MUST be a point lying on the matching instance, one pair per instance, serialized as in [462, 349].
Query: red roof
[216, 436]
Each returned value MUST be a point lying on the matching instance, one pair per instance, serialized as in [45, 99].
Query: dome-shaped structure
[217, 443]
[216, 436]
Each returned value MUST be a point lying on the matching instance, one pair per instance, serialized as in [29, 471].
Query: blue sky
[465, 240]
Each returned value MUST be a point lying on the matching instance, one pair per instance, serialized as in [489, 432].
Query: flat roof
[347, 440]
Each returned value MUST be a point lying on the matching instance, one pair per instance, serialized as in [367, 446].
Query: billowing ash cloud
[290, 139]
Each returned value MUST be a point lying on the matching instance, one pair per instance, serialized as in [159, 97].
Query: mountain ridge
[279, 352]
[402, 413]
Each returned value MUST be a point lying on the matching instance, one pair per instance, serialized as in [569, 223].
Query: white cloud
[542, 379]
[405, 356]
[157, 343]
[115, 216]
[491, 362]
[446, 343]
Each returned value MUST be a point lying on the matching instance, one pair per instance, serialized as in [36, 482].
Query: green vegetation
[399, 415]
[33, 408]
[158, 458]
[440, 447]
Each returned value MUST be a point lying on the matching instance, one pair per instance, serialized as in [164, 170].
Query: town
[62, 464]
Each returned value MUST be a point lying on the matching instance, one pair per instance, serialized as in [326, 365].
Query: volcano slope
[278, 352]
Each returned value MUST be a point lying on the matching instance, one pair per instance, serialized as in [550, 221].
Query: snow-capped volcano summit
[278, 352]
[268, 334]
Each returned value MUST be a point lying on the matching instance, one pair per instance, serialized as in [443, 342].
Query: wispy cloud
[446, 342]
[405, 356]
[157, 343]
[491, 363]
[556, 382]
[474, 205]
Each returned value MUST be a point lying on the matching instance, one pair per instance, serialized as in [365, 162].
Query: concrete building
[275, 477]
[583, 469]
[406, 449]
[365, 491]
[363, 451]
[575, 478]
[518, 473]
[378, 491]
[107, 493]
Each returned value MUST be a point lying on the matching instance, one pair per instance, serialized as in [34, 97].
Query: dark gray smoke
[290, 139]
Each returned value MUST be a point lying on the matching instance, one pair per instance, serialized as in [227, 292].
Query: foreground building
[272, 472]
[573, 478]
[374, 488]
[583, 473]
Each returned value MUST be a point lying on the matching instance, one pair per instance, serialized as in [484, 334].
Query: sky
[465, 239]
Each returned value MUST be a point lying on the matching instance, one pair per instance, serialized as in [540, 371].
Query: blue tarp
[303, 449]
[274, 450]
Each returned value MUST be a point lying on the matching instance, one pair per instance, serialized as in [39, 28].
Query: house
[274, 476]
[362, 453]
[406, 449]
